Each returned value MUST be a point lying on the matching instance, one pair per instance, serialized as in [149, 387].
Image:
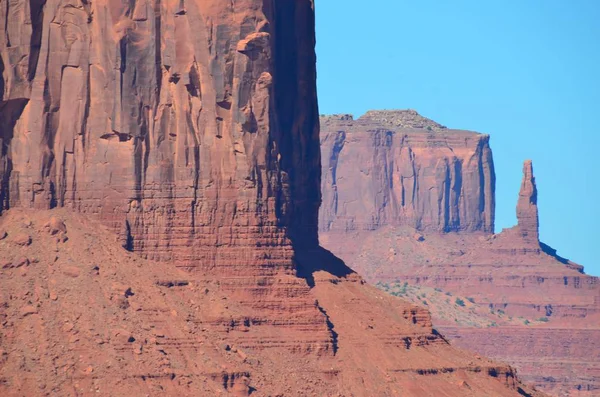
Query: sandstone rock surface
[189, 128]
[527, 211]
[398, 168]
[160, 119]
[549, 310]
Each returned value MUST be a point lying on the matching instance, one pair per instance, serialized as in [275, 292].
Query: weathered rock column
[190, 127]
[527, 210]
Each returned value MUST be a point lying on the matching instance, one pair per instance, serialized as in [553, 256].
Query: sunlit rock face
[397, 168]
[161, 118]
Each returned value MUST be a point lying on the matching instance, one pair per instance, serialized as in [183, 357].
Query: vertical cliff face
[527, 211]
[398, 168]
[161, 118]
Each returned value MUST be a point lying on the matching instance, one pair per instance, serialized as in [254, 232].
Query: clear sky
[527, 72]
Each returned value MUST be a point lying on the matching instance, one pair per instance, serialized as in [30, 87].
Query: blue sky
[527, 72]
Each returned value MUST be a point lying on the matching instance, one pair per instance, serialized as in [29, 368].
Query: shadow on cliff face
[10, 111]
[296, 134]
[310, 260]
[552, 252]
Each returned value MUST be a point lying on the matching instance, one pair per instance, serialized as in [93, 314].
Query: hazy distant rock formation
[399, 168]
[369, 220]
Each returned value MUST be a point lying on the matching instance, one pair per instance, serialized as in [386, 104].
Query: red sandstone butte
[531, 308]
[398, 168]
[186, 132]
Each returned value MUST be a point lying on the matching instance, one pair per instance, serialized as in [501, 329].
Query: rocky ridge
[402, 119]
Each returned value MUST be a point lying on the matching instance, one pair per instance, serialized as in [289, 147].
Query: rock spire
[527, 210]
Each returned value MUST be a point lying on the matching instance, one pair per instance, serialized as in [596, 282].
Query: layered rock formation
[398, 168]
[81, 316]
[160, 118]
[189, 128]
[548, 299]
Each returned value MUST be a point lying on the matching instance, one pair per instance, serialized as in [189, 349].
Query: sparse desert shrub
[471, 300]
[543, 319]
[459, 302]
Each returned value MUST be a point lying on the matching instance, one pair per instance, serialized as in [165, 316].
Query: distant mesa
[392, 175]
[399, 168]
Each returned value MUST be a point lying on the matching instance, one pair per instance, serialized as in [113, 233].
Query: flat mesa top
[402, 119]
[406, 120]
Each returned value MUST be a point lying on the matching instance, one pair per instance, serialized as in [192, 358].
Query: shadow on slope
[311, 260]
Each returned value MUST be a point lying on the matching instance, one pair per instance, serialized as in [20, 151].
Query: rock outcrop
[160, 119]
[549, 309]
[189, 128]
[398, 168]
[527, 211]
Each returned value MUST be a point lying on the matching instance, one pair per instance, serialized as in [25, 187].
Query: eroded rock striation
[160, 118]
[544, 310]
[189, 129]
[399, 168]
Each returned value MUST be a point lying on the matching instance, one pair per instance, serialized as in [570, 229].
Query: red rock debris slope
[82, 316]
[188, 130]
[546, 312]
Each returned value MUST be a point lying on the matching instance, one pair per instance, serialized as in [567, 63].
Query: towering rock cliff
[545, 310]
[189, 128]
[160, 118]
[398, 168]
